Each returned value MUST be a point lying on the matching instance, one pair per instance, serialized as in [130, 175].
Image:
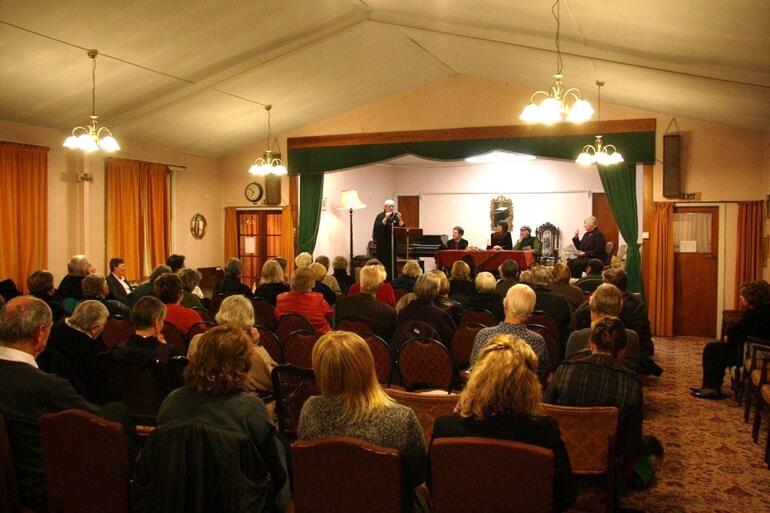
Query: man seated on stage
[501, 237]
[593, 277]
[528, 241]
[457, 241]
[592, 245]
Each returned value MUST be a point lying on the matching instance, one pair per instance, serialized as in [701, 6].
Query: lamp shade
[350, 200]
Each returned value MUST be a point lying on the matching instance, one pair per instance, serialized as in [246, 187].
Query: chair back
[176, 367]
[478, 316]
[86, 463]
[482, 475]
[117, 330]
[196, 329]
[173, 336]
[462, 343]
[542, 318]
[409, 330]
[352, 475]
[216, 302]
[589, 435]
[290, 323]
[551, 343]
[357, 326]
[291, 388]
[383, 358]
[298, 348]
[426, 363]
[9, 487]
[205, 314]
[270, 342]
[264, 313]
[427, 407]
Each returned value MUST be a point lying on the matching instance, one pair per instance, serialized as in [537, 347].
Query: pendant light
[267, 164]
[600, 153]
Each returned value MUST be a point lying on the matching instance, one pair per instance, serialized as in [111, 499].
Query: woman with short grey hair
[232, 283]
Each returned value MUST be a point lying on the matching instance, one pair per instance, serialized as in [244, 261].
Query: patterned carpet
[711, 464]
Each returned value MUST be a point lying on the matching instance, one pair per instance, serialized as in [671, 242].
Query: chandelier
[92, 137]
[559, 103]
[267, 164]
[599, 153]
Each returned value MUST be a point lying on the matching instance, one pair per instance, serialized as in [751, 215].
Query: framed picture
[323, 204]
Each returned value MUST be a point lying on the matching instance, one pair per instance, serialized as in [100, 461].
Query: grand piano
[421, 246]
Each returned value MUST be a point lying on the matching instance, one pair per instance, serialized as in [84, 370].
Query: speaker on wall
[671, 155]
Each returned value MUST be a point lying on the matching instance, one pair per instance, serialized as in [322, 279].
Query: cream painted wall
[196, 189]
[235, 177]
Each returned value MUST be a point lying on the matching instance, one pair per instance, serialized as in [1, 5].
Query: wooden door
[259, 239]
[696, 238]
[409, 206]
[606, 219]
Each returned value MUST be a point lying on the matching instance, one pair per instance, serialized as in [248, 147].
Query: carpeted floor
[711, 465]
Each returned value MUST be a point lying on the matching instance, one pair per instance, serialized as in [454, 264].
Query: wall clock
[254, 192]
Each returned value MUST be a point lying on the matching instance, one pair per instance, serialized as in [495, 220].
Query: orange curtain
[23, 210]
[287, 239]
[749, 260]
[231, 233]
[138, 228]
[661, 294]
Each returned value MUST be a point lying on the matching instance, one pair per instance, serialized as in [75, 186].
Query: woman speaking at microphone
[381, 234]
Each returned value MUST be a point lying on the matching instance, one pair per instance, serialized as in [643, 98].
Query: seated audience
[503, 400]
[168, 288]
[457, 241]
[147, 343]
[592, 245]
[385, 293]
[231, 284]
[282, 262]
[552, 303]
[73, 346]
[95, 288]
[340, 266]
[408, 278]
[26, 392]
[78, 268]
[319, 271]
[328, 280]
[404, 301]
[486, 295]
[116, 280]
[501, 237]
[380, 317]
[593, 277]
[460, 285]
[719, 355]
[176, 262]
[509, 274]
[518, 305]
[214, 395]
[304, 259]
[40, 285]
[424, 308]
[526, 277]
[353, 404]
[606, 302]
[236, 312]
[9, 290]
[303, 301]
[271, 282]
[561, 285]
[443, 301]
[190, 279]
[147, 289]
[527, 241]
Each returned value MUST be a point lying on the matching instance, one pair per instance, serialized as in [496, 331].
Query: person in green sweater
[528, 241]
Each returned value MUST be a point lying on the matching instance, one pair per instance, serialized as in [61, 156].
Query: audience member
[593, 277]
[40, 285]
[340, 266]
[509, 274]
[78, 268]
[461, 287]
[561, 285]
[95, 288]
[408, 278]
[526, 277]
[424, 308]
[175, 262]
[606, 302]
[486, 295]
[380, 317]
[147, 344]
[117, 282]
[271, 282]
[518, 305]
[329, 281]
[304, 259]
[353, 404]
[283, 263]
[552, 303]
[319, 271]
[385, 293]
[303, 301]
[190, 279]
[147, 289]
[168, 288]
[503, 400]
[443, 301]
[237, 312]
[231, 284]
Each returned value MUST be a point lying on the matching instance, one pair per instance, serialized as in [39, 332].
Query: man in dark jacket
[553, 303]
[592, 245]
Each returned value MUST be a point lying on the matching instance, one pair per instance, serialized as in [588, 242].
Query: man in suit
[364, 306]
[592, 245]
[117, 282]
[26, 392]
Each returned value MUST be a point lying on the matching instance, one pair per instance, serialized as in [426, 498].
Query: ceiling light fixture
[601, 154]
[92, 137]
[267, 164]
[554, 107]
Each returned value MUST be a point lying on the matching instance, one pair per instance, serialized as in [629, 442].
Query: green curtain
[311, 189]
[619, 182]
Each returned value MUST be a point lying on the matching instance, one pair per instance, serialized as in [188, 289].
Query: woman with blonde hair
[409, 274]
[503, 400]
[486, 296]
[353, 404]
[271, 282]
[460, 283]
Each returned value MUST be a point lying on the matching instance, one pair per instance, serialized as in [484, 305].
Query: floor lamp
[350, 201]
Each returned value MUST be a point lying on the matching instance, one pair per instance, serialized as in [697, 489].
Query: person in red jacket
[303, 301]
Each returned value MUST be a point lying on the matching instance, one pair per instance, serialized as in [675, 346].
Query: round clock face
[254, 192]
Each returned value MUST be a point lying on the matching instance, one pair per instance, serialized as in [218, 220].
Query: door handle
[711, 256]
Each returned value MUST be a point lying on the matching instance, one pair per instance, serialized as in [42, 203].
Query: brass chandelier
[600, 153]
[267, 164]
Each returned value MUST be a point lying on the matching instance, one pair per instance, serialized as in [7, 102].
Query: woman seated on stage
[501, 237]
[528, 241]
[457, 241]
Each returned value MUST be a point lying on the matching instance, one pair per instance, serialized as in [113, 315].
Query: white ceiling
[190, 74]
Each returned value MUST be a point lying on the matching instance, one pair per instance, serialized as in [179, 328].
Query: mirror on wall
[198, 225]
[501, 209]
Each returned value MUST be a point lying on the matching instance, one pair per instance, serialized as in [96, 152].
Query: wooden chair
[478, 316]
[346, 475]
[173, 336]
[357, 326]
[86, 463]
[270, 342]
[589, 435]
[764, 393]
[291, 388]
[427, 407]
[426, 363]
[117, 330]
[264, 313]
[551, 342]
[290, 323]
[197, 328]
[758, 381]
[751, 381]
[298, 348]
[9, 487]
[483, 475]
[462, 343]
[410, 330]
[544, 319]
[383, 358]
